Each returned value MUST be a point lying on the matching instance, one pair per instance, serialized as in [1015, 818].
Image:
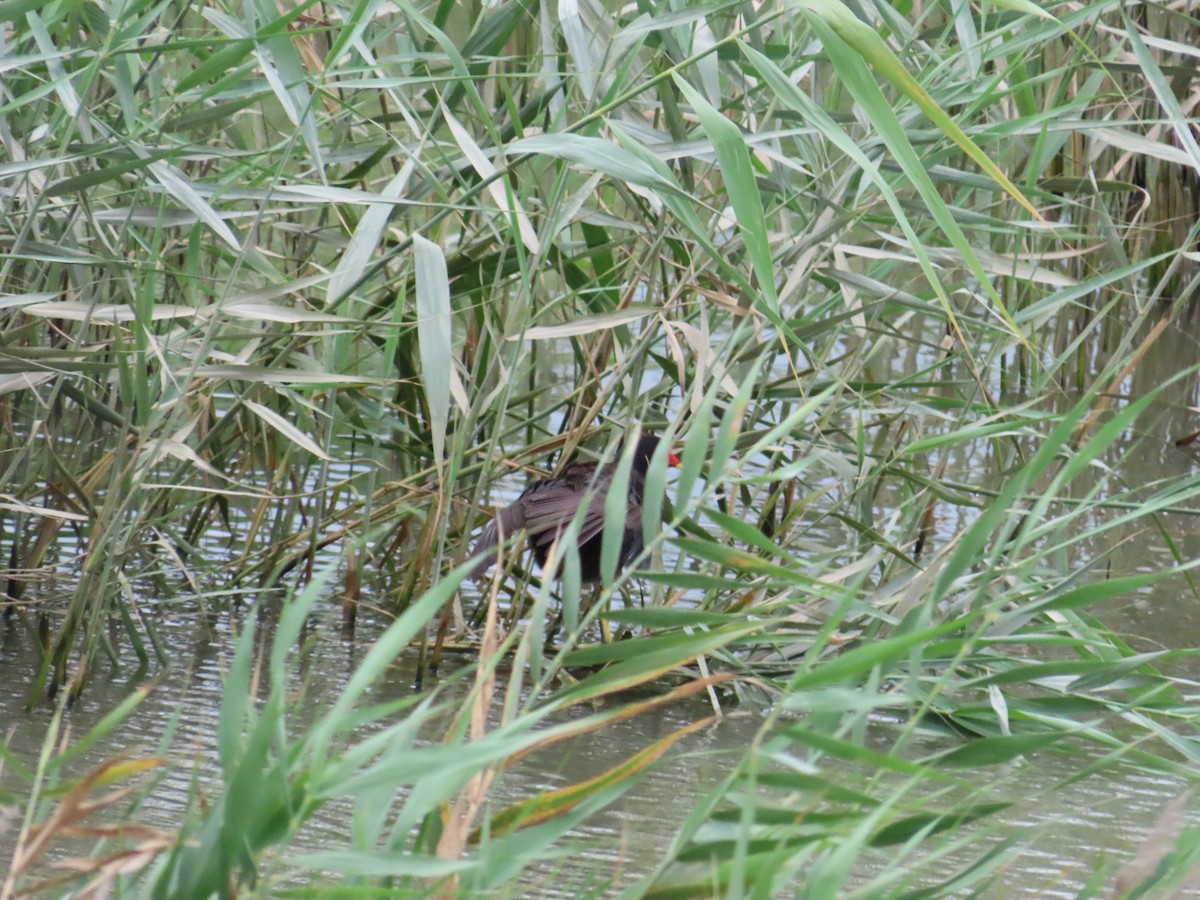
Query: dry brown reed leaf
[67, 820]
[457, 828]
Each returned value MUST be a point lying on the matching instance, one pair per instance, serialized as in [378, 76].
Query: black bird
[549, 505]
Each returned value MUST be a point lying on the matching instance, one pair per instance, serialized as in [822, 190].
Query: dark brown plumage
[548, 506]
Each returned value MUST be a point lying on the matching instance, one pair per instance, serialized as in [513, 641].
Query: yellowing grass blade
[551, 804]
[863, 39]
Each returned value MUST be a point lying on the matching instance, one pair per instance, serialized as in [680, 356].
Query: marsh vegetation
[294, 294]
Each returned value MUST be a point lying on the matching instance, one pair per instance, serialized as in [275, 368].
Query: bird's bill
[673, 461]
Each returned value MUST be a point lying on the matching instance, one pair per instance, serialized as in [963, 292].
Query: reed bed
[292, 293]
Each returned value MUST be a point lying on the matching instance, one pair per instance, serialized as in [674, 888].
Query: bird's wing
[550, 507]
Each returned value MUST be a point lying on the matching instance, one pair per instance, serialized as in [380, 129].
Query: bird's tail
[507, 521]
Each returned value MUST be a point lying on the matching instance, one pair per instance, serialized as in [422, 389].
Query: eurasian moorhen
[548, 506]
